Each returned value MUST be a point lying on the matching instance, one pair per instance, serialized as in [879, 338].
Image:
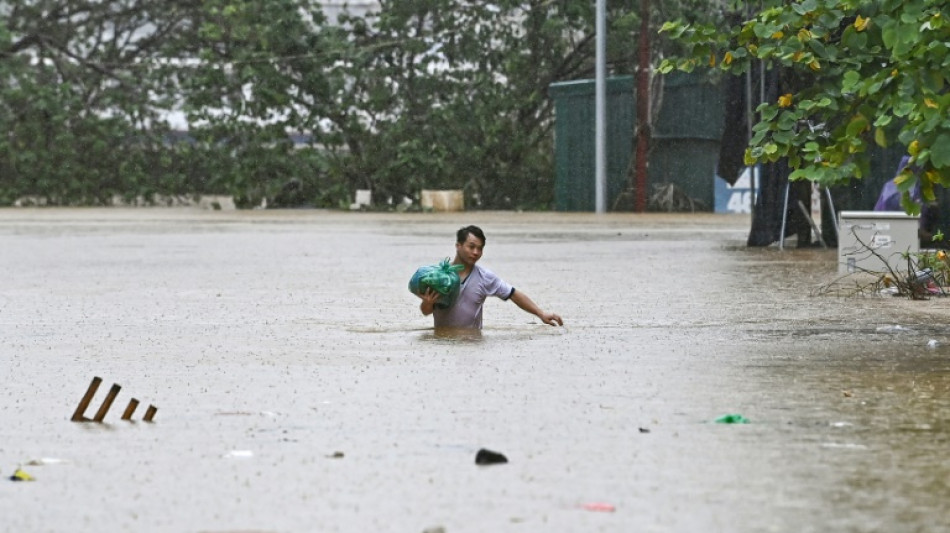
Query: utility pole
[643, 109]
[600, 110]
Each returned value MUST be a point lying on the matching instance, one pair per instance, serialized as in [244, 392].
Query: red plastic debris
[599, 507]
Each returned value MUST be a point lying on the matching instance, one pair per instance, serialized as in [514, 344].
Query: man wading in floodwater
[477, 284]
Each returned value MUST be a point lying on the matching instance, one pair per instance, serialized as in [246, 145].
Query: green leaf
[789, 119]
[747, 158]
[883, 120]
[798, 174]
[849, 81]
[768, 112]
[880, 137]
[783, 137]
[940, 151]
[904, 108]
[907, 36]
[818, 48]
[857, 125]
[805, 7]
[854, 40]
[889, 35]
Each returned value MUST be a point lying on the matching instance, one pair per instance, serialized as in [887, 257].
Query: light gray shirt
[467, 310]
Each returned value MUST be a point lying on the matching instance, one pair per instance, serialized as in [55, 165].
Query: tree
[253, 76]
[420, 94]
[80, 105]
[454, 95]
[862, 72]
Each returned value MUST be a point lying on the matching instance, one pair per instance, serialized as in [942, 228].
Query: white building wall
[333, 8]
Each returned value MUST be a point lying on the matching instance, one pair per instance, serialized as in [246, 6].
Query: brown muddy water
[299, 389]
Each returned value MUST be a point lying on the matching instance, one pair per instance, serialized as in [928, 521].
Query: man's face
[470, 251]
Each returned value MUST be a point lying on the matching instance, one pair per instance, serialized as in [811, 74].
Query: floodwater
[299, 389]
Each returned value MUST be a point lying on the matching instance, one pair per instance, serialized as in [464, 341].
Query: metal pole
[834, 214]
[84, 403]
[748, 120]
[104, 408]
[127, 415]
[600, 107]
[781, 237]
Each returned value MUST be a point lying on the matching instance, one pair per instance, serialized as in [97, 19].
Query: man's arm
[521, 300]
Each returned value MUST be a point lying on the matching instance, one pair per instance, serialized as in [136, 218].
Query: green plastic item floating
[732, 419]
[443, 278]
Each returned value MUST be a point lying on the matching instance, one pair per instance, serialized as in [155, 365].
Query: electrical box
[866, 239]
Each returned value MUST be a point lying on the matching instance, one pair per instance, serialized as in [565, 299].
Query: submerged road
[299, 389]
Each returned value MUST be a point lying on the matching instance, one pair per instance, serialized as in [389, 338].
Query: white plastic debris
[896, 328]
[239, 454]
[45, 461]
[932, 343]
[844, 445]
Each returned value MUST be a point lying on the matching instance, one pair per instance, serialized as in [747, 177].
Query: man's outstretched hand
[552, 319]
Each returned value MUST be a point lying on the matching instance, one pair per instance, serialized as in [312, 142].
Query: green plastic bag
[443, 278]
[732, 419]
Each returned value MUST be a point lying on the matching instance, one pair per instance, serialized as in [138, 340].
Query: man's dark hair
[464, 233]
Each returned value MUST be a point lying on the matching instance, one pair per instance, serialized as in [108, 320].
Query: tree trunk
[643, 109]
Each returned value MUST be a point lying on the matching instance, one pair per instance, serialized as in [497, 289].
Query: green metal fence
[574, 186]
[684, 150]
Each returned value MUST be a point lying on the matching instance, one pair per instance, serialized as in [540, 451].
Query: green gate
[574, 132]
[684, 150]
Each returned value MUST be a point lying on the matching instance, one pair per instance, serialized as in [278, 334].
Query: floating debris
[239, 454]
[20, 475]
[599, 507]
[896, 328]
[45, 461]
[732, 419]
[488, 457]
[844, 446]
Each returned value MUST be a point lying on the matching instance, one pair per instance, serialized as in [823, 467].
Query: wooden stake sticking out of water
[84, 403]
[150, 413]
[127, 415]
[104, 408]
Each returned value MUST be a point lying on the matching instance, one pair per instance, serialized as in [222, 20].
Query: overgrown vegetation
[419, 94]
[854, 74]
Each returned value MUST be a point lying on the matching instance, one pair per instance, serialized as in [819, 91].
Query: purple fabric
[467, 310]
[890, 198]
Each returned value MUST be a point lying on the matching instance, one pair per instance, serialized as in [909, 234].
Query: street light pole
[600, 110]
